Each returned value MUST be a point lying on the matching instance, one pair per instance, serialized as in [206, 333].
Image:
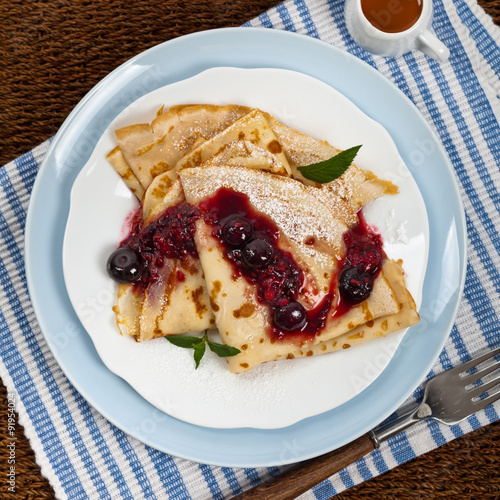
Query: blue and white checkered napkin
[84, 456]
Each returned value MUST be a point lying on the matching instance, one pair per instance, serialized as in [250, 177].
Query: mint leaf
[223, 351]
[331, 169]
[199, 346]
[199, 351]
[183, 341]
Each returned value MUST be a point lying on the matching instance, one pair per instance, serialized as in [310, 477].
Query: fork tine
[473, 362]
[482, 403]
[470, 379]
[477, 391]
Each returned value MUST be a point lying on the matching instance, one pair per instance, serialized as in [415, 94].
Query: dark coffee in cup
[392, 16]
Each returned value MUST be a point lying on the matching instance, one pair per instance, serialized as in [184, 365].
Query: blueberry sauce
[170, 236]
[361, 265]
[261, 261]
[250, 242]
[278, 278]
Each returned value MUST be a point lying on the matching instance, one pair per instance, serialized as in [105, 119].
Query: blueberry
[291, 317]
[236, 231]
[355, 284]
[125, 265]
[257, 253]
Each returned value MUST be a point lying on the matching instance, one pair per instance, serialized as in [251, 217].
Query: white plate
[276, 394]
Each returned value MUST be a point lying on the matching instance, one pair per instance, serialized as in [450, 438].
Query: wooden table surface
[53, 52]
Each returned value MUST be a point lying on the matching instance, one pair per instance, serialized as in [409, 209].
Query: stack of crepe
[186, 154]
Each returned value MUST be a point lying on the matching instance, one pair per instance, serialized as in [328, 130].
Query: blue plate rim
[237, 447]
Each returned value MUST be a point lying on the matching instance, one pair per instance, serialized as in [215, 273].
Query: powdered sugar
[292, 206]
[397, 232]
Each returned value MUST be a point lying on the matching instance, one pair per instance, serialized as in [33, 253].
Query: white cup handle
[430, 45]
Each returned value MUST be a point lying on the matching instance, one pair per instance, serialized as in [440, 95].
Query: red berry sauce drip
[170, 236]
[280, 281]
[132, 223]
[364, 247]
[364, 258]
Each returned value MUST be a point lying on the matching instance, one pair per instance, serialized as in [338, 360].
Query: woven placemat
[52, 54]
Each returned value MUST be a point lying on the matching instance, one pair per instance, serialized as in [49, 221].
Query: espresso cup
[370, 28]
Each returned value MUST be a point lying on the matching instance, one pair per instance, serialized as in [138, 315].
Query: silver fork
[450, 397]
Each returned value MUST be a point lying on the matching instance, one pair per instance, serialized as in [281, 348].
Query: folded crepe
[151, 149]
[116, 158]
[189, 152]
[172, 306]
[308, 231]
[176, 302]
[372, 329]
[248, 141]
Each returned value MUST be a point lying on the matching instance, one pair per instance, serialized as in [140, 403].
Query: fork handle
[298, 480]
